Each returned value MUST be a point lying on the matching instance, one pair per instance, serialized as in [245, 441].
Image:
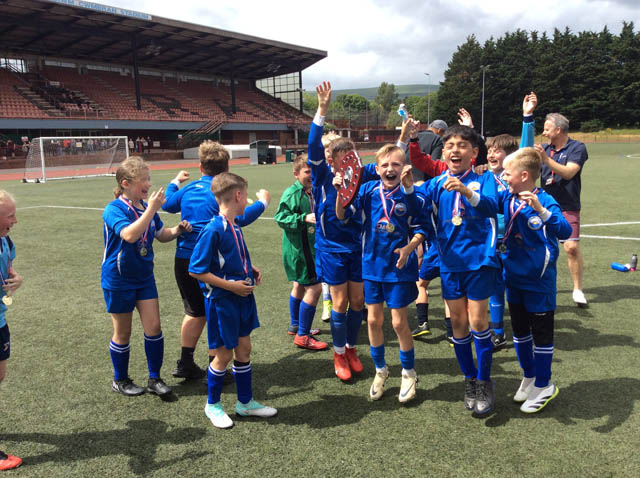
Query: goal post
[66, 157]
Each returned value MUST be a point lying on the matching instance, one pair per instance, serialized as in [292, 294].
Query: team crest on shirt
[474, 186]
[400, 209]
[534, 223]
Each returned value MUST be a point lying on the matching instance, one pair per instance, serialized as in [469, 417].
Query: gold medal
[456, 220]
[311, 230]
[143, 251]
[7, 300]
[390, 228]
[502, 248]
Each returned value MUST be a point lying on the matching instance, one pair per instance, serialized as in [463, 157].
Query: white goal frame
[81, 165]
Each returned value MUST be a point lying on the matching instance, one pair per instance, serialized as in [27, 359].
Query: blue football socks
[120, 359]
[338, 329]
[543, 355]
[294, 310]
[215, 381]
[524, 352]
[484, 353]
[464, 354]
[242, 373]
[377, 355]
[154, 349]
[407, 359]
[307, 312]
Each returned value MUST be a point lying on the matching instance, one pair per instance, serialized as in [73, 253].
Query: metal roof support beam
[300, 91]
[233, 87]
[136, 75]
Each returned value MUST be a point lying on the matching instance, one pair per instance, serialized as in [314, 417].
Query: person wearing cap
[430, 141]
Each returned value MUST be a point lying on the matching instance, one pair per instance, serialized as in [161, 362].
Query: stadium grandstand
[77, 68]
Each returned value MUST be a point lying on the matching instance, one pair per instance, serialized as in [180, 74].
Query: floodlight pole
[484, 70]
[428, 98]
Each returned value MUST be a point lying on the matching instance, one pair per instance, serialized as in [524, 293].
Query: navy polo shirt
[565, 192]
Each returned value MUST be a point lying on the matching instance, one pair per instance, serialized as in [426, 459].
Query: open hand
[464, 118]
[324, 97]
[406, 177]
[13, 282]
[156, 200]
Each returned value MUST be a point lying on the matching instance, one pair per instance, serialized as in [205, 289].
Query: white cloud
[370, 41]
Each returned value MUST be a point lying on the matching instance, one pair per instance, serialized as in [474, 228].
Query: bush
[591, 126]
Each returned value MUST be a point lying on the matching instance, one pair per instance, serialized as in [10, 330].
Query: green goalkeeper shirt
[298, 236]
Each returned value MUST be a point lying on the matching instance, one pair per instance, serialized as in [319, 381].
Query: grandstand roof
[92, 32]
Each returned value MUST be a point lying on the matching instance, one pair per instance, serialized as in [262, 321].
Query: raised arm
[528, 125]
[173, 195]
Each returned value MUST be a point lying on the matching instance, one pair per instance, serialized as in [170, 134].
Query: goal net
[74, 157]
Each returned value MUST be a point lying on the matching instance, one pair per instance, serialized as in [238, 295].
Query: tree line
[591, 78]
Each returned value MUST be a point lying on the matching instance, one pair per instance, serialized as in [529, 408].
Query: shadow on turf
[607, 294]
[138, 442]
[579, 337]
[611, 399]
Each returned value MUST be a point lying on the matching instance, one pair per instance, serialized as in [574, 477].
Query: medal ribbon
[143, 239]
[383, 200]
[457, 203]
[514, 214]
[241, 250]
[311, 203]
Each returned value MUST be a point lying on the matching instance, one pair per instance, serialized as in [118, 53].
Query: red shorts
[573, 218]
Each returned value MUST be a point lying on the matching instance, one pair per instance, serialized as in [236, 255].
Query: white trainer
[217, 415]
[539, 397]
[408, 386]
[254, 409]
[523, 391]
[579, 298]
[377, 387]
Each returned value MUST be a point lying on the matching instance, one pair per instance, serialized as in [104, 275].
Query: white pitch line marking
[271, 219]
[618, 238]
[610, 224]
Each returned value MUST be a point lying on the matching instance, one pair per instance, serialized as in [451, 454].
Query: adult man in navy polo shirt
[563, 159]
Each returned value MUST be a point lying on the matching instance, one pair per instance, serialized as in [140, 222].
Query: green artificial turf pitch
[59, 414]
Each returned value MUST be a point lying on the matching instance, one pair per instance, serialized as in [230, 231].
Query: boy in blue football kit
[389, 273]
[466, 234]
[533, 225]
[338, 244]
[221, 262]
[130, 226]
[11, 281]
[198, 205]
[498, 148]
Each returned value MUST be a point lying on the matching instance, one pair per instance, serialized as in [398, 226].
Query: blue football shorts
[124, 301]
[396, 294]
[474, 285]
[535, 302]
[336, 268]
[237, 317]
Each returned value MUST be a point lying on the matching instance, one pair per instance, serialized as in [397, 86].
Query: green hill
[403, 90]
